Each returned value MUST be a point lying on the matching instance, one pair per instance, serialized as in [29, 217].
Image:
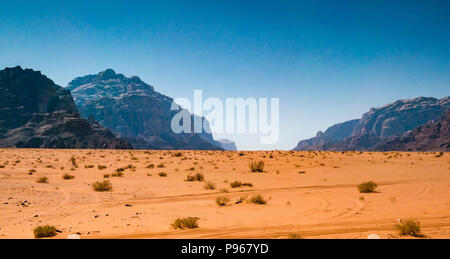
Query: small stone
[74, 236]
[373, 236]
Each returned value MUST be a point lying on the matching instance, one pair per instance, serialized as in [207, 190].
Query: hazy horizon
[327, 65]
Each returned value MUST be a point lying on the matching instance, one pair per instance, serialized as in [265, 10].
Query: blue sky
[327, 61]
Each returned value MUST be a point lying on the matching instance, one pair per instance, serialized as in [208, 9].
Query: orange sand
[321, 203]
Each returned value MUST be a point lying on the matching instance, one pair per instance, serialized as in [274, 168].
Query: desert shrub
[186, 223]
[258, 199]
[368, 187]
[235, 184]
[2, 166]
[151, 166]
[74, 161]
[106, 176]
[256, 166]
[44, 231]
[197, 177]
[409, 227]
[242, 199]
[42, 179]
[162, 174]
[178, 154]
[161, 165]
[294, 236]
[222, 201]
[101, 167]
[210, 186]
[104, 186]
[68, 177]
[238, 184]
[440, 154]
[118, 174]
[32, 171]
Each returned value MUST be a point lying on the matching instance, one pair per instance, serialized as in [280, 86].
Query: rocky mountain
[134, 111]
[378, 125]
[227, 144]
[37, 113]
[324, 141]
[432, 136]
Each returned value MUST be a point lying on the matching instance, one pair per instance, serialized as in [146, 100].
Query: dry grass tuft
[368, 187]
[104, 186]
[210, 186]
[409, 227]
[44, 231]
[68, 177]
[256, 167]
[186, 223]
[197, 177]
[222, 201]
[42, 179]
[258, 199]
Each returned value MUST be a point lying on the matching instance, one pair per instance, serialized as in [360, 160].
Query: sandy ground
[311, 194]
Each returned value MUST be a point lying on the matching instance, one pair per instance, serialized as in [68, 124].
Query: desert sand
[310, 194]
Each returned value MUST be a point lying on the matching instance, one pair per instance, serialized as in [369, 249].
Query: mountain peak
[109, 84]
[107, 74]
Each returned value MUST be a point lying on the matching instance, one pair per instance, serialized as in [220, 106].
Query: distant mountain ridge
[134, 111]
[37, 113]
[227, 144]
[433, 135]
[378, 125]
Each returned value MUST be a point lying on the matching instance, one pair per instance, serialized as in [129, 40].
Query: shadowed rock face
[378, 125]
[227, 144]
[134, 111]
[432, 136]
[36, 113]
[324, 141]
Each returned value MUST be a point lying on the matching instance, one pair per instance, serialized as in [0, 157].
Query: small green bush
[104, 186]
[44, 231]
[185, 223]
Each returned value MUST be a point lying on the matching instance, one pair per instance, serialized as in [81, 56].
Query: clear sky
[327, 61]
